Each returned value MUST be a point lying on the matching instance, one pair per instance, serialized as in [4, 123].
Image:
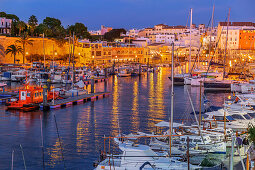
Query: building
[5, 26]
[162, 38]
[233, 30]
[163, 30]
[105, 29]
[247, 39]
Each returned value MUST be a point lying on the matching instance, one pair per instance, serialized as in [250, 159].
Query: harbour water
[135, 104]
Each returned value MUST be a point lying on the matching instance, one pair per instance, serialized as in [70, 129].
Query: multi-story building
[162, 38]
[5, 25]
[162, 29]
[247, 39]
[233, 30]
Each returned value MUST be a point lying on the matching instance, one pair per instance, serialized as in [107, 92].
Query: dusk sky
[130, 13]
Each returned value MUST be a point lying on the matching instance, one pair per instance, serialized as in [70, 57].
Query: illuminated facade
[247, 39]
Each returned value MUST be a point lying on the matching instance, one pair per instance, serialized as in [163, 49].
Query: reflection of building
[5, 25]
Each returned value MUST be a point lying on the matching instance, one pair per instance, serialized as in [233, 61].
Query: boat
[180, 78]
[124, 73]
[223, 85]
[29, 98]
[137, 157]
[19, 76]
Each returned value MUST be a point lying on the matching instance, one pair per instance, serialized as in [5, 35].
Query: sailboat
[138, 156]
[184, 78]
[221, 85]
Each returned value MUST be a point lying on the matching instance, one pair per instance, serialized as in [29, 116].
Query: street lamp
[93, 60]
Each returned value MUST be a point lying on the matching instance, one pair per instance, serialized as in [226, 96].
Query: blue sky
[130, 13]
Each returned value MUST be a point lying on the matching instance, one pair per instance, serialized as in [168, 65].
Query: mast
[224, 71]
[190, 40]
[172, 104]
[211, 34]
[200, 105]
[43, 52]
[69, 48]
[53, 59]
[73, 62]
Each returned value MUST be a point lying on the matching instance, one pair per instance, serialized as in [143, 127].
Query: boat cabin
[31, 94]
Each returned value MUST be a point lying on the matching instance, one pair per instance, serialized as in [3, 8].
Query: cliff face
[36, 48]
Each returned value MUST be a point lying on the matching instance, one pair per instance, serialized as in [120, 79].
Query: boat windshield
[219, 117]
[230, 118]
[252, 114]
[248, 117]
[236, 116]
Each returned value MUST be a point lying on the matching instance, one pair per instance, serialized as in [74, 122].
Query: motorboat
[137, 156]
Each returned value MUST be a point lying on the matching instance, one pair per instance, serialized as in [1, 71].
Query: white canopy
[166, 124]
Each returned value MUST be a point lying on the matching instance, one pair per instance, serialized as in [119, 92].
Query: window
[28, 94]
[197, 140]
[235, 116]
[35, 94]
[248, 117]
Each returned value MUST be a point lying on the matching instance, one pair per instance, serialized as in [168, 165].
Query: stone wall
[37, 48]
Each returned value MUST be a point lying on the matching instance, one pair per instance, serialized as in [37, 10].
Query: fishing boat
[29, 98]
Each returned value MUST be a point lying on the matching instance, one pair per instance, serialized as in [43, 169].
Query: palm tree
[1, 50]
[21, 26]
[24, 40]
[14, 50]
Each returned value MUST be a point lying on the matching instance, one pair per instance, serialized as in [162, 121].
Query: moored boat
[29, 98]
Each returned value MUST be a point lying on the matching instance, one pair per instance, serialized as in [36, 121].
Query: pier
[75, 100]
[97, 80]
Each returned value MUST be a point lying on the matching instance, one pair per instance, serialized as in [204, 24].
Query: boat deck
[77, 99]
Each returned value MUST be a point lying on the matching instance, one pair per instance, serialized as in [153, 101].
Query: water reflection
[135, 112]
[135, 104]
[115, 108]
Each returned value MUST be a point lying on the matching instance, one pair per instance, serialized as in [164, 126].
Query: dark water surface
[135, 104]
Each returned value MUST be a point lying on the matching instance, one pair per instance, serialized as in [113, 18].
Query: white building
[162, 38]
[162, 29]
[233, 33]
[5, 25]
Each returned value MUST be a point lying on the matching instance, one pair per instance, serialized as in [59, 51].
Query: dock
[76, 100]
[7, 96]
[97, 80]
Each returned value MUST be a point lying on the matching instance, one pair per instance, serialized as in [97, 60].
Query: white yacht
[136, 157]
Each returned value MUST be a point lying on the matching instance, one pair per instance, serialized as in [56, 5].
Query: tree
[24, 40]
[51, 27]
[9, 16]
[113, 34]
[55, 27]
[42, 28]
[1, 50]
[80, 30]
[21, 25]
[32, 22]
[14, 50]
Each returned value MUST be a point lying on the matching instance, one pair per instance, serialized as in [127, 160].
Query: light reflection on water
[135, 104]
